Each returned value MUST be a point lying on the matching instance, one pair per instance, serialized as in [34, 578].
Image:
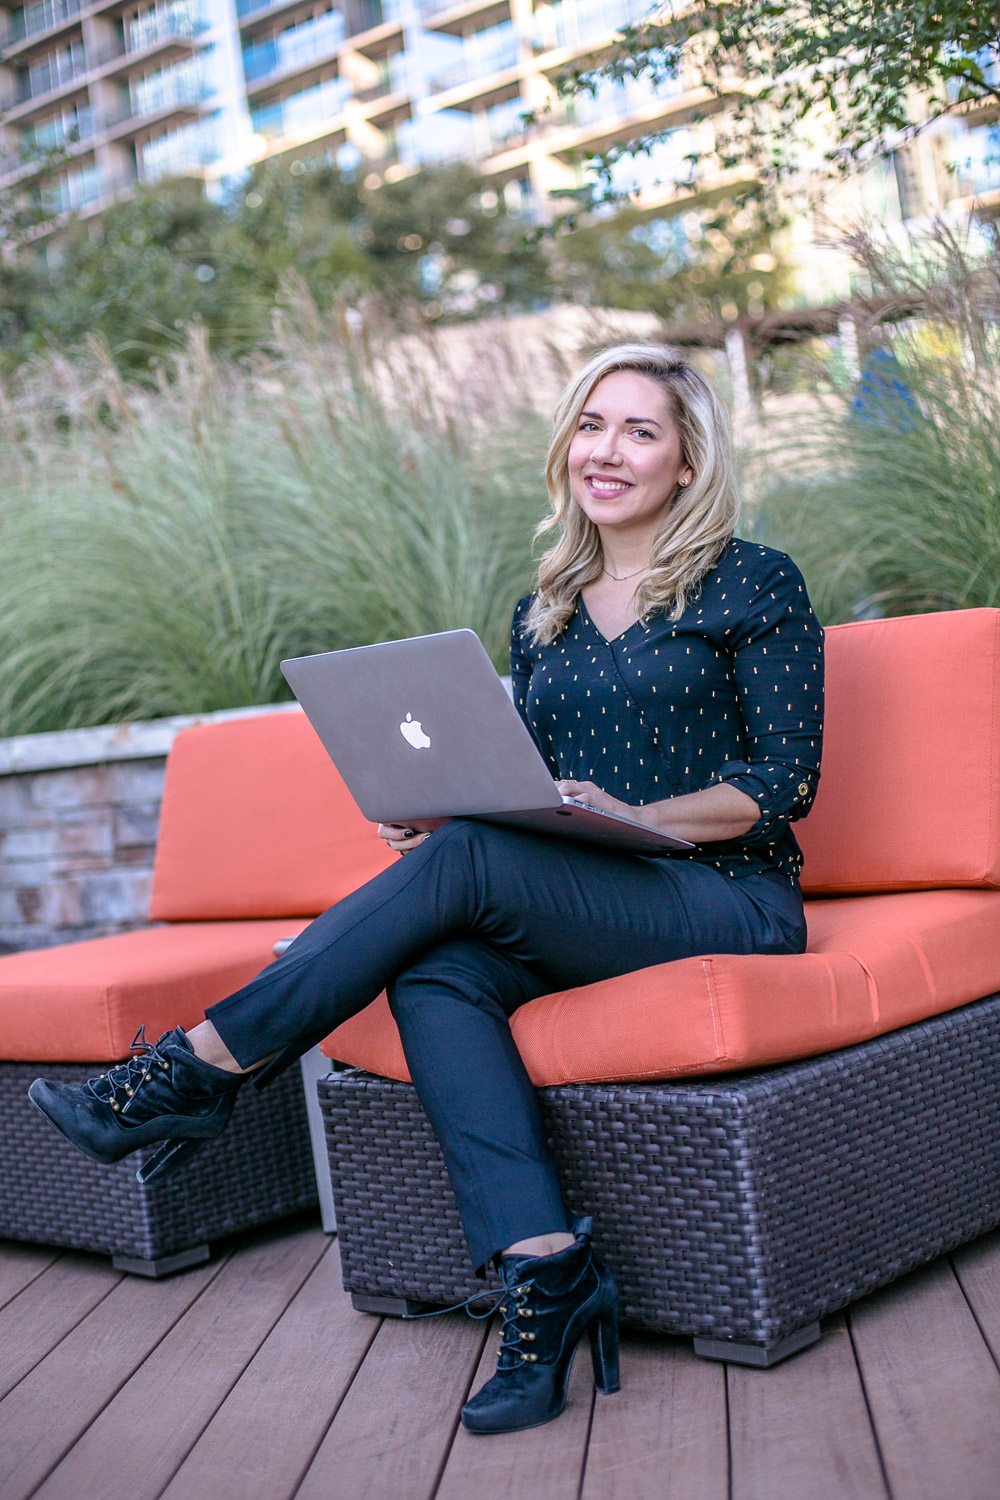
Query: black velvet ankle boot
[551, 1302]
[164, 1093]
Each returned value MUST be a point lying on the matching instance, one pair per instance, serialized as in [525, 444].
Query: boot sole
[526, 1426]
[150, 1133]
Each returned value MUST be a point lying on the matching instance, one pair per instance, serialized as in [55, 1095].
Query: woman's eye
[587, 426]
[641, 432]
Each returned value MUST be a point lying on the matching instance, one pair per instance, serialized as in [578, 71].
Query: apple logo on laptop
[412, 731]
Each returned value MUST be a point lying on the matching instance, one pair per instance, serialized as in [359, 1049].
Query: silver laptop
[423, 730]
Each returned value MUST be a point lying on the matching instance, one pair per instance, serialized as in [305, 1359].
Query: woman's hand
[586, 791]
[715, 813]
[399, 838]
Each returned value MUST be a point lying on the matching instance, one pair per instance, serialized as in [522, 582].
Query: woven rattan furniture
[847, 1123]
[737, 1210]
[257, 833]
[259, 1170]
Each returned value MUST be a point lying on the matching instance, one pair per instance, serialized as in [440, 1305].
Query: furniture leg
[314, 1065]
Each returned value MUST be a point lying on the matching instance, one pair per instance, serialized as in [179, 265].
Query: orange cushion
[84, 1002]
[909, 797]
[256, 822]
[873, 964]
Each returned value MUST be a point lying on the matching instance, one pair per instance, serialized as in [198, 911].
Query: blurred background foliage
[162, 548]
[234, 468]
[886, 489]
[434, 247]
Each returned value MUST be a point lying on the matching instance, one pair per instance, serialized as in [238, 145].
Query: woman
[665, 669]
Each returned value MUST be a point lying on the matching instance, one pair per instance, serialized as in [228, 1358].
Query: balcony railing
[75, 190]
[294, 48]
[182, 150]
[59, 133]
[151, 96]
[300, 111]
[52, 73]
[33, 20]
[586, 21]
[430, 8]
[487, 52]
[180, 20]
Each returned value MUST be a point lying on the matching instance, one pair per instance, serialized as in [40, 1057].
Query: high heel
[169, 1157]
[163, 1093]
[603, 1336]
[565, 1296]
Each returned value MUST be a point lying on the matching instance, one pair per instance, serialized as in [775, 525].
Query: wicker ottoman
[260, 1169]
[739, 1210]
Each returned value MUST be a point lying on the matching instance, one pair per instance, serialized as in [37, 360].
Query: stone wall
[79, 813]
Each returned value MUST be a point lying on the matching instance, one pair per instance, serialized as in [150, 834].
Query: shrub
[889, 495]
[162, 551]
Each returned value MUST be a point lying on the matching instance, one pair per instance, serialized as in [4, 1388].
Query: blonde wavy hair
[695, 530]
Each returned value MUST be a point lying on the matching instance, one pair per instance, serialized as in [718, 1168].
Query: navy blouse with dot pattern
[732, 691]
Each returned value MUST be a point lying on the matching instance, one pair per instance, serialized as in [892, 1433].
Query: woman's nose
[605, 450]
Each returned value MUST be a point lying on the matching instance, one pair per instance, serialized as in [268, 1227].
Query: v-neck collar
[609, 640]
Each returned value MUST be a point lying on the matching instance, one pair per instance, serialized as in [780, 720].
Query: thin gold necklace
[620, 578]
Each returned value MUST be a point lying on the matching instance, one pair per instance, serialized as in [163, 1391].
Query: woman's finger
[403, 846]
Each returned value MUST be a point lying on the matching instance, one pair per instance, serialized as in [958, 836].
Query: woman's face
[625, 460]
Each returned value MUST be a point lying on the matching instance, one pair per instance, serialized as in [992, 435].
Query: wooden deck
[252, 1378]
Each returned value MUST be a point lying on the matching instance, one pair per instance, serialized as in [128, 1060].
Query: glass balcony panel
[52, 71]
[73, 190]
[485, 52]
[447, 136]
[490, 50]
[160, 23]
[63, 130]
[294, 48]
[291, 116]
[575, 23]
[613, 101]
[182, 150]
[502, 125]
[183, 84]
[32, 20]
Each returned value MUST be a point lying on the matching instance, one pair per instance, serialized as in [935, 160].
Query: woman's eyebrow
[646, 421]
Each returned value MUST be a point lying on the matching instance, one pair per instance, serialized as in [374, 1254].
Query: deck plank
[48, 1308]
[803, 1428]
[663, 1436]
[19, 1266]
[977, 1267]
[932, 1387]
[262, 1438]
[541, 1461]
[43, 1417]
[170, 1399]
[394, 1428]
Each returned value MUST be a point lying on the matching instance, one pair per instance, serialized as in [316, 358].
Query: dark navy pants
[463, 930]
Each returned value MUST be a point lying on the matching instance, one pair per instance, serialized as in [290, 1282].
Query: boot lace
[512, 1301]
[121, 1083]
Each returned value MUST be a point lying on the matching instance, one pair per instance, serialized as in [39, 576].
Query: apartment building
[136, 91]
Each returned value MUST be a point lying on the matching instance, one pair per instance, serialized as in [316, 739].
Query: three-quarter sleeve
[777, 653]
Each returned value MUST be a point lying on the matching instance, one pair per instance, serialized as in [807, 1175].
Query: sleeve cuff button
[803, 788]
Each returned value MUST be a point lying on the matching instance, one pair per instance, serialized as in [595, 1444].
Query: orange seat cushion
[256, 822]
[873, 964]
[84, 1002]
[909, 796]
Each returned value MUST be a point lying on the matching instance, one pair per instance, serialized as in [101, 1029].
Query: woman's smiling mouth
[606, 484]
